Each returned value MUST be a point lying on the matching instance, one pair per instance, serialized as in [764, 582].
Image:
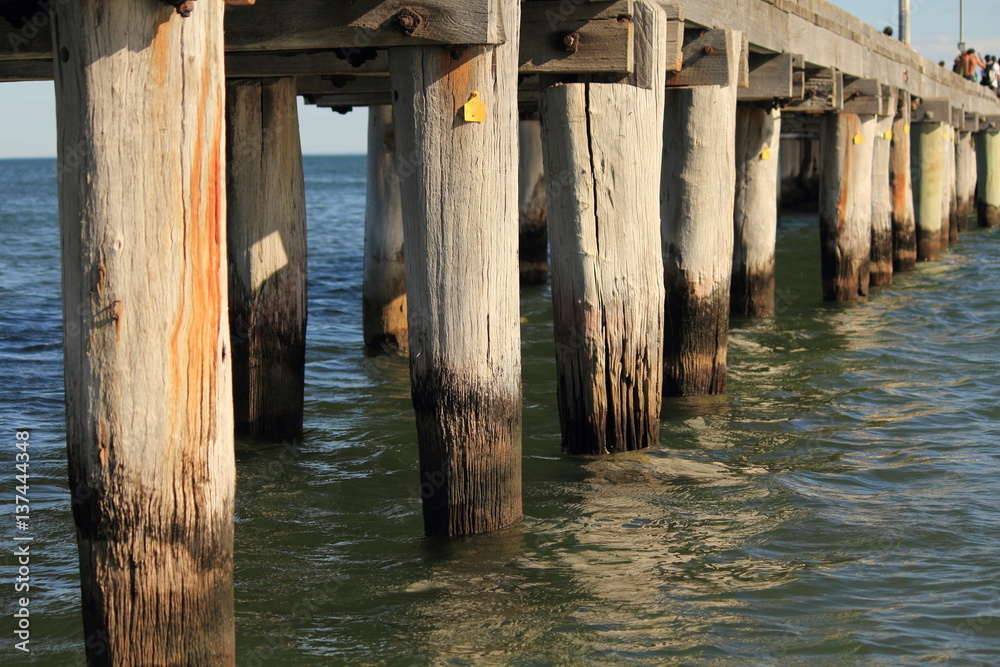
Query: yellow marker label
[945, 135]
[888, 135]
[766, 153]
[906, 129]
[475, 110]
[858, 139]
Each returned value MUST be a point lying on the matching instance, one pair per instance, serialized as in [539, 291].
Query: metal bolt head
[408, 21]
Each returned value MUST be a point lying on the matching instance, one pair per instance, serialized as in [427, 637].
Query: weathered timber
[459, 197]
[988, 175]
[927, 168]
[303, 63]
[965, 179]
[267, 256]
[602, 145]
[706, 61]
[880, 272]
[904, 233]
[862, 96]
[770, 77]
[845, 208]
[591, 37]
[949, 218]
[149, 421]
[931, 110]
[533, 237]
[383, 288]
[755, 214]
[697, 196]
[824, 91]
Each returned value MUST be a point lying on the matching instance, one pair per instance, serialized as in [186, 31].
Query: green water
[837, 506]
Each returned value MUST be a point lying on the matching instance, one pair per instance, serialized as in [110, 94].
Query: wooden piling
[880, 272]
[927, 166]
[267, 256]
[904, 232]
[149, 415]
[383, 291]
[459, 198]
[604, 141]
[949, 219]
[533, 238]
[965, 179]
[845, 208]
[696, 200]
[988, 174]
[799, 172]
[755, 213]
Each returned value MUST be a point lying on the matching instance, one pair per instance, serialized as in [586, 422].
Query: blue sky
[27, 115]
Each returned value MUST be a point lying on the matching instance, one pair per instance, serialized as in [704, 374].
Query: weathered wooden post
[699, 148]
[533, 238]
[604, 140]
[267, 256]
[845, 204]
[988, 172]
[904, 233]
[459, 197]
[949, 219]
[755, 213]
[149, 414]
[927, 160]
[965, 178]
[881, 249]
[383, 290]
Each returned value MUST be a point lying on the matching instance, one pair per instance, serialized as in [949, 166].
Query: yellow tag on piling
[888, 135]
[906, 129]
[858, 139]
[766, 153]
[475, 110]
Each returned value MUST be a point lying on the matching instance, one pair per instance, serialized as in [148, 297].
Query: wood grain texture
[458, 182]
[604, 44]
[149, 423]
[770, 77]
[845, 204]
[533, 237]
[949, 221]
[927, 169]
[881, 249]
[267, 257]
[696, 212]
[755, 214]
[602, 145]
[988, 178]
[965, 179]
[904, 232]
[383, 288]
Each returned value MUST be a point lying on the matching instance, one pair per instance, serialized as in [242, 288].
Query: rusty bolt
[408, 21]
[571, 42]
[712, 51]
[339, 80]
[929, 115]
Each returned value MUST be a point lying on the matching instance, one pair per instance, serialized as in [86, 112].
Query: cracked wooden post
[949, 220]
[881, 249]
[149, 413]
[602, 146]
[927, 165]
[965, 179]
[755, 214]
[904, 233]
[383, 290]
[988, 178]
[699, 148]
[459, 199]
[267, 257]
[533, 238]
[845, 204]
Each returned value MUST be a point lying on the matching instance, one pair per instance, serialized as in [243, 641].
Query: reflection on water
[836, 506]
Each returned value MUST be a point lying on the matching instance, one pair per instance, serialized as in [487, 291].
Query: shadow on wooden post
[267, 257]
[533, 237]
[149, 413]
[602, 146]
[458, 180]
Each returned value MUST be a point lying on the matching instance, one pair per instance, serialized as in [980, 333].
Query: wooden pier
[647, 134]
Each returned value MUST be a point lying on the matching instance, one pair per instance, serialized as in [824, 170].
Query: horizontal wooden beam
[706, 60]
[770, 78]
[560, 37]
[823, 91]
[989, 123]
[862, 96]
[931, 111]
[971, 121]
[958, 118]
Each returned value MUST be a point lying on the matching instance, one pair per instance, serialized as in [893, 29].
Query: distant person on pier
[966, 64]
[991, 75]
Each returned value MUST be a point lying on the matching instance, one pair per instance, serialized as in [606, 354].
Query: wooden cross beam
[823, 90]
[927, 110]
[705, 59]
[771, 76]
[862, 96]
[971, 121]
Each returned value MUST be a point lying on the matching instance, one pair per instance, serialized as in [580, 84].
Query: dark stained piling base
[904, 231]
[752, 295]
[698, 328]
[989, 216]
[881, 265]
